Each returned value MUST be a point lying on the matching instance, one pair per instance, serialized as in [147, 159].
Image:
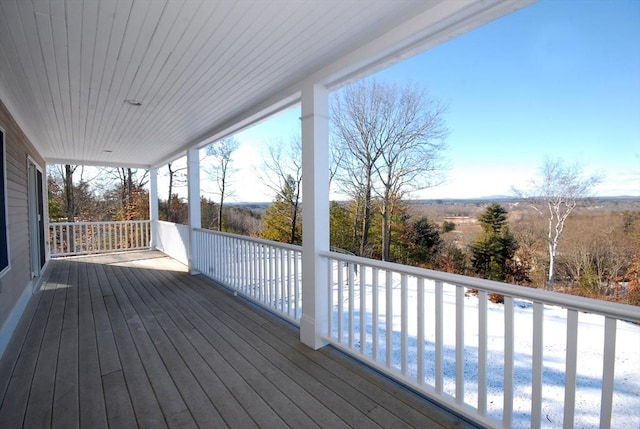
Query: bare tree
[558, 189]
[355, 112]
[175, 175]
[68, 191]
[128, 181]
[282, 173]
[393, 138]
[221, 152]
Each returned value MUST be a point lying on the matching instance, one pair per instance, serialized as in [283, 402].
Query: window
[4, 236]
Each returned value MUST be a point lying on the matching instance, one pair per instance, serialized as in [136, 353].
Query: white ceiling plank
[29, 30]
[88, 46]
[233, 85]
[58, 22]
[51, 87]
[159, 95]
[73, 19]
[217, 72]
[118, 84]
[148, 27]
[16, 98]
[45, 42]
[17, 44]
[175, 21]
[111, 26]
[12, 70]
[193, 34]
[181, 90]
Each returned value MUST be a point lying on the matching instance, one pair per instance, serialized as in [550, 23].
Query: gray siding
[14, 282]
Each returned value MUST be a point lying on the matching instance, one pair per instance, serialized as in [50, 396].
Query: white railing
[83, 238]
[499, 364]
[525, 363]
[173, 240]
[265, 272]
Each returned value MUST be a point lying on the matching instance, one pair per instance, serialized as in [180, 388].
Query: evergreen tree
[495, 247]
[340, 229]
[423, 240]
[282, 219]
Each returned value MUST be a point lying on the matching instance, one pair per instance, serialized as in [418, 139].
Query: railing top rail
[251, 239]
[106, 222]
[612, 309]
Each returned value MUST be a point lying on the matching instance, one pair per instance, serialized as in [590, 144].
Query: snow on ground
[626, 399]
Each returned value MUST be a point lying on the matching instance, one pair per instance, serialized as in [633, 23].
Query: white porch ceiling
[201, 69]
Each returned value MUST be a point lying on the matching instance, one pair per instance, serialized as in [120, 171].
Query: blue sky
[558, 79]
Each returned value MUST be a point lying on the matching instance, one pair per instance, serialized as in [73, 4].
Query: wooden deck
[132, 340]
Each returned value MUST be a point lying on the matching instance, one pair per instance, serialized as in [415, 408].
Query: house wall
[16, 284]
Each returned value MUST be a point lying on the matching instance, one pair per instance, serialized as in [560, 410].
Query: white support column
[315, 215]
[193, 184]
[153, 206]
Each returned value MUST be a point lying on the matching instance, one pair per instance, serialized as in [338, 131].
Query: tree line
[104, 194]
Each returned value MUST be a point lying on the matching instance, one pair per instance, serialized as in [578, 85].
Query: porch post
[315, 214]
[153, 206]
[193, 184]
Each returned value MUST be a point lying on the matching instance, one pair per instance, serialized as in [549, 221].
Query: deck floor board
[133, 340]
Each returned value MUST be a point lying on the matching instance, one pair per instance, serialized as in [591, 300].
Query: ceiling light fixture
[133, 102]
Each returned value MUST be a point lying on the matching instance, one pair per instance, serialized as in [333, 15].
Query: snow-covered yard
[589, 368]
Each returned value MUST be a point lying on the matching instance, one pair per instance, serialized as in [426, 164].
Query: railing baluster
[331, 292]
[570, 368]
[298, 284]
[389, 317]
[251, 281]
[245, 265]
[363, 308]
[228, 274]
[100, 234]
[264, 290]
[507, 414]
[404, 323]
[276, 278]
[482, 352]
[459, 344]
[233, 263]
[237, 263]
[536, 365]
[340, 300]
[223, 258]
[284, 278]
[290, 298]
[271, 277]
[55, 239]
[608, 371]
[420, 332]
[351, 303]
[376, 311]
[266, 284]
[258, 273]
[439, 327]
[77, 232]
